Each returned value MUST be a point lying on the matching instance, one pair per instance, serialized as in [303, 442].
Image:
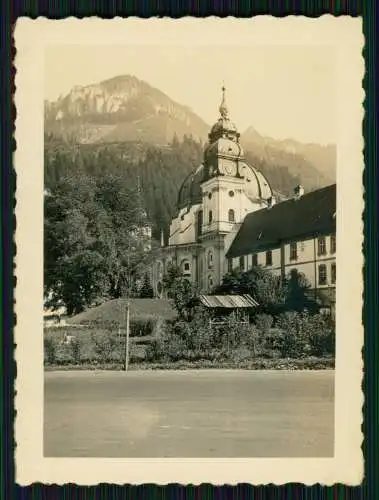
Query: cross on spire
[223, 107]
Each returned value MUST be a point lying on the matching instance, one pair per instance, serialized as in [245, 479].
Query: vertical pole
[127, 329]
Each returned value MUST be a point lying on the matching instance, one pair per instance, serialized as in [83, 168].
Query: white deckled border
[344, 34]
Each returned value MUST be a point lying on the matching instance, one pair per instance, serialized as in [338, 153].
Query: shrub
[322, 335]
[106, 345]
[50, 348]
[293, 342]
[76, 346]
[264, 323]
[303, 334]
[142, 327]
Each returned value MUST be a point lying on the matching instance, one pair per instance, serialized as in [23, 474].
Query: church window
[293, 250]
[210, 259]
[322, 275]
[210, 281]
[231, 215]
[210, 216]
[333, 275]
[255, 259]
[269, 258]
[242, 262]
[321, 244]
[230, 265]
[333, 243]
[210, 196]
[231, 194]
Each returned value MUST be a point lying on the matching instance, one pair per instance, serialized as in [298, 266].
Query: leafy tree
[297, 298]
[146, 291]
[266, 288]
[95, 241]
[182, 292]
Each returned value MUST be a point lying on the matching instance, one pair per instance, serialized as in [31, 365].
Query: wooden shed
[222, 307]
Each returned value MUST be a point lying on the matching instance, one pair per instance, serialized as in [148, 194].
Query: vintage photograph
[190, 239]
[190, 209]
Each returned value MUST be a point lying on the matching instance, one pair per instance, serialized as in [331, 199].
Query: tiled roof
[228, 301]
[312, 214]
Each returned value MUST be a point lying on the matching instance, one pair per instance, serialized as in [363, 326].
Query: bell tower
[222, 192]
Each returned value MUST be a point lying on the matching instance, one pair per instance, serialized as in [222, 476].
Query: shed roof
[228, 301]
[313, 213]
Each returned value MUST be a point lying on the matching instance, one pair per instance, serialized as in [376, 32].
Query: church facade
[213, 202]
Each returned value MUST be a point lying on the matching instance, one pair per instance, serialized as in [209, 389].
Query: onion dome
[224, 156]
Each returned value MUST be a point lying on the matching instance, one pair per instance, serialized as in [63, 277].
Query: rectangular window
[322, 275]
[230, 265]
[293, 251]
[321, 245]
[242, 262]
[334, 275]
[333, 244]
[269, 258]
[255, 260]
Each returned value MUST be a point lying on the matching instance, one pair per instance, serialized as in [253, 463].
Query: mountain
[125, 116]
[121, 109]
[315, 162]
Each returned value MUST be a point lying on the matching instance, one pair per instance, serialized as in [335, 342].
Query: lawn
[217, 413]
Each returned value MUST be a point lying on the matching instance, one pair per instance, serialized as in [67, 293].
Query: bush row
[291, 335]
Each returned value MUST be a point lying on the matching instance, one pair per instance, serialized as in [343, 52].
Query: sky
[282, 91]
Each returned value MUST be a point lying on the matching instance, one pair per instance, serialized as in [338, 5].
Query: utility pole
[127, 316]
[127, 328]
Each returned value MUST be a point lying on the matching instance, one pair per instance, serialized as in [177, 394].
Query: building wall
[307, 262]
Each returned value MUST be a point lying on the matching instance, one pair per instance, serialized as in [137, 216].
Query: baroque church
[212, 203]
[227, 218]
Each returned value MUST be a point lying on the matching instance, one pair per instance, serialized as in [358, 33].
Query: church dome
[190, 191]
[224, 156]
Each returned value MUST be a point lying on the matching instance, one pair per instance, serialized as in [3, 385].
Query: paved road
[214, 413]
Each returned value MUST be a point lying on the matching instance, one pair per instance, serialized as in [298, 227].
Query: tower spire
[223, 107]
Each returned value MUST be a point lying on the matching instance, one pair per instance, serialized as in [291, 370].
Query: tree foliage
[273, 294]
[94, 243]
[182, 292]
[161, 169]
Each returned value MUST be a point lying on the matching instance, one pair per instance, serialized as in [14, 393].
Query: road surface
[205, 413]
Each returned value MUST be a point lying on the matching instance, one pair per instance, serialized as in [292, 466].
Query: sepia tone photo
[189, 202]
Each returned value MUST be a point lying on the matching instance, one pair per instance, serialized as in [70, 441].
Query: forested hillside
[161, 170]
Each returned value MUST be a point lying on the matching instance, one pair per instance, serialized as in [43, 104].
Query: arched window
[210, 281]
[231, 216]
[210, 259]
[210, 216]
